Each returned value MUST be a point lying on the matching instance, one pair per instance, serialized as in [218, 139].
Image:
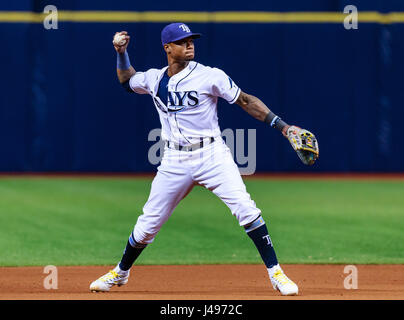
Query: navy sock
[258, 233]
[132, 251]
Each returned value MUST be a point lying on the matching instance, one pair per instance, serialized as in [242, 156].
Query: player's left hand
[285, 131]
[304, 143]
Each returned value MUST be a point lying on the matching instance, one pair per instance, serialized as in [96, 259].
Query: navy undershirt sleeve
[162, 92]
[127, 87]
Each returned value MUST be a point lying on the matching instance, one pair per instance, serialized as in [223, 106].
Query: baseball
[119, 39]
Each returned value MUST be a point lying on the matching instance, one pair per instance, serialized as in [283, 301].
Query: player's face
[183, 49]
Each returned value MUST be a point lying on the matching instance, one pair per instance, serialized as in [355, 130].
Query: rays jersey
[189, 110]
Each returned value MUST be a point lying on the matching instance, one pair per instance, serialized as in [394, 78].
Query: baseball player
[185, 94]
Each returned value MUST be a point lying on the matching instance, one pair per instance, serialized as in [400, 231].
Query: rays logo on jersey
[158, 105]
[181, 100]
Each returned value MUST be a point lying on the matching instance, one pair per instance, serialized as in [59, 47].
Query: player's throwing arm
[124, 69]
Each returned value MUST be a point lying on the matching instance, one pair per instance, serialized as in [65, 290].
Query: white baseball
[119, 39]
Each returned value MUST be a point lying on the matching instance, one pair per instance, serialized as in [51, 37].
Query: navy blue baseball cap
[176, 31]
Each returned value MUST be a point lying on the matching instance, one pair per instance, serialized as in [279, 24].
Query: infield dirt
[205, 282]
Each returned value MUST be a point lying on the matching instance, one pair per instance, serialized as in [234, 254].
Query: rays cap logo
[177, 31]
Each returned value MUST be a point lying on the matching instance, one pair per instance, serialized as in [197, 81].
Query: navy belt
[192, 147]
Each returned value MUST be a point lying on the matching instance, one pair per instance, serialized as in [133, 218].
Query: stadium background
[63, 110]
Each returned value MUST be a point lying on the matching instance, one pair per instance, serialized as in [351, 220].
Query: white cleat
[107, 281]
[281, 282]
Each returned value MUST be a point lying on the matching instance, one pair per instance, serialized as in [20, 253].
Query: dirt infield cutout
[207, 282]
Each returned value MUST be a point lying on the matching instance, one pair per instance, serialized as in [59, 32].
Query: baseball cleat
[107, 281]
[281, 282]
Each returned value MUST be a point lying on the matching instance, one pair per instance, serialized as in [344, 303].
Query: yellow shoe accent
[282, 278]
[108, 280]
[109, 276]
[282, 283]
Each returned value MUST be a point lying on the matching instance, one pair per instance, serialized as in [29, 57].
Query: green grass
[86, 221]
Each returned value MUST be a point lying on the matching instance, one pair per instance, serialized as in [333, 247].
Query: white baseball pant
[212, 167]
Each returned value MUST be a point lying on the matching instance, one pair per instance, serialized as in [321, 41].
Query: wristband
[122, 61]
[275, 121]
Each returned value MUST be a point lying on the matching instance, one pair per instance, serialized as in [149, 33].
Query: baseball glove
[304, 143]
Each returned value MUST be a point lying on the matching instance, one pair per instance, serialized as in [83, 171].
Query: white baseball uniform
[189, 118]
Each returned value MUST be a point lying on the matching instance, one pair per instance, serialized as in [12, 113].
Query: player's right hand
[121, 49]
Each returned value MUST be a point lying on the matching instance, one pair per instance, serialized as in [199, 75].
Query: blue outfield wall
[62, 108]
